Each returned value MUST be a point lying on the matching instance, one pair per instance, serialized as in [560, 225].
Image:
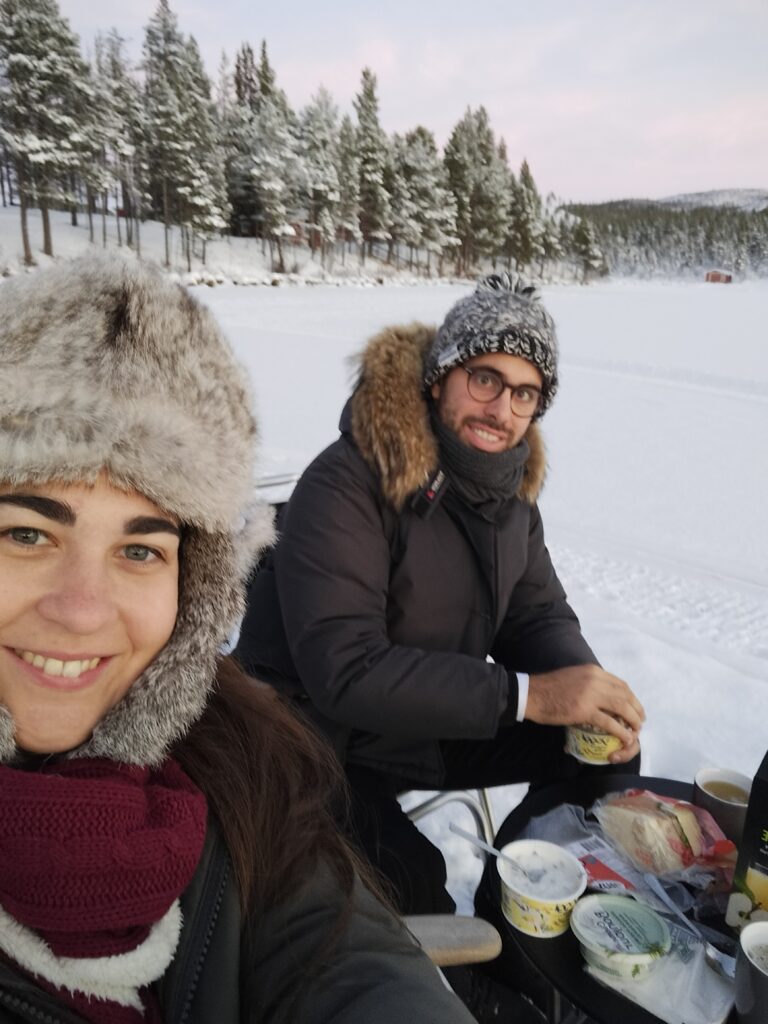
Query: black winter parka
[230, 973]
[378, 619]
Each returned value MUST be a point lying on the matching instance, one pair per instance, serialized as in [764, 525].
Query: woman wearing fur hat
[166, 846]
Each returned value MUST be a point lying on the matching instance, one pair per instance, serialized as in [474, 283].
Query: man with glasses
[411, 608]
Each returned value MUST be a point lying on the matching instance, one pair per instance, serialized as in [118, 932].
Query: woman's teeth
[55, 667]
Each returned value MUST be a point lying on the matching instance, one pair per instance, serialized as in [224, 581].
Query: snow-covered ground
[655, 503]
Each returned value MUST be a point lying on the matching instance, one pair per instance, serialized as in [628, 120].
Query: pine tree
[246, 81]
[525, 236]
[348, 172]
[372, 150]
[202, 188]
[320, 149]
[187, 181]
[167, 149]
[278, 173]
[427, 218]
[402, 227]
[240, 142]
[119, 142]
[44, 84]
[265, 74]
[459, 164]
[586, 249]
[479, 179]
[490, 192]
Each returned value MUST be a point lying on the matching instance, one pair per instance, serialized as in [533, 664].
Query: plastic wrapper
[683, 989]
[671, 839]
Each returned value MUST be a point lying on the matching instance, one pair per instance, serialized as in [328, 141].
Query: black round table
[559, 960]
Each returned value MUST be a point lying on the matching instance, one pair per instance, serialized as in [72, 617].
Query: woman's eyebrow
[58, 511]
[151, 524]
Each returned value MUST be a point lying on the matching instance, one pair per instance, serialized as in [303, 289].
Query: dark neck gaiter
[484, 480]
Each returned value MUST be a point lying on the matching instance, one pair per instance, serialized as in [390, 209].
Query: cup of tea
[752, 974]
[725, 794]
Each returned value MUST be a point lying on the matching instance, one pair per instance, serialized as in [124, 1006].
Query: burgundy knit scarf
[93, 857]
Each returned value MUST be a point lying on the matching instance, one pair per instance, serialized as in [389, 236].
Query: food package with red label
[670, 838]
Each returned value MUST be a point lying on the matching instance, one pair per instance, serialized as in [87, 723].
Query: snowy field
[655, 503]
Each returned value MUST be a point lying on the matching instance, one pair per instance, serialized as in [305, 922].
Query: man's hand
[587, 695]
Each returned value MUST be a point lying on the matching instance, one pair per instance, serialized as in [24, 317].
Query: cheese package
[664, 836]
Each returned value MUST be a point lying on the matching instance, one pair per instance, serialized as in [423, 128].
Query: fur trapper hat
[109, 366]
[501, 315]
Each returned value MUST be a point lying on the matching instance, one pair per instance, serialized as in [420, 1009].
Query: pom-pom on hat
[501, 315]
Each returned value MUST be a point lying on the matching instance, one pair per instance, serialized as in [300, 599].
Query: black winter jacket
[228, 975]
[380, 620]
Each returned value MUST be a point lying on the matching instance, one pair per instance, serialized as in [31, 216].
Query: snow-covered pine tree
[265, 74]
[524, 243]
[479, 179]
[459, 164]
[240, 141]
[402, 226]
[164, 88]
[586, 250]
[267, 88]
[44, 83]
[491, 190]
[348, 172]
[245, 79]
[372, 151]
[319, 138]
[97, 141]
[429, 222]
[202, 189]
[550, 235]
[128, 135]
[435, 203]
[278, 173]
[187, 183]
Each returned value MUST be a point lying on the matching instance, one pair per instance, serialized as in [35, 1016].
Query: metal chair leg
[479, 806]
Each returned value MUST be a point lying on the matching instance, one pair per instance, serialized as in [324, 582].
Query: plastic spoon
[530, 878]
[720, 961]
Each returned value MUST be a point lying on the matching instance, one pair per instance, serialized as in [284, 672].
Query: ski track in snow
[735, 387]
[729, 615]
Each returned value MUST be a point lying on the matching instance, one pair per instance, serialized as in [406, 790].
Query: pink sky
[604, 99]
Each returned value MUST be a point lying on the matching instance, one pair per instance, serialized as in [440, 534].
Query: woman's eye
[486, 380]
[26, 535]
[140, 553]
[525, 394]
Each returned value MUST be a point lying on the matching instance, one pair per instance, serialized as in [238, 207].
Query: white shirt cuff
[522, 695]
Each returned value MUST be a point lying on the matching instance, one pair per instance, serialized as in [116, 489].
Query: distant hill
[682, 235]
[748, 200]
[751, 200]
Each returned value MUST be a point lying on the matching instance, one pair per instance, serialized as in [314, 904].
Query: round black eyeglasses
[486, 385]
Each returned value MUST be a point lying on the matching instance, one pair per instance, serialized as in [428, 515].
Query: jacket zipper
[31, 1012]
[211, 905]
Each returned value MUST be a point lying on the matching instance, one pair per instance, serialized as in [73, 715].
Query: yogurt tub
[620, 936]
[541, 906]
[590, 745]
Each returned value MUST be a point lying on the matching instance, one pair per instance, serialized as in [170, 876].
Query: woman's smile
[62, 671]
[88, 598]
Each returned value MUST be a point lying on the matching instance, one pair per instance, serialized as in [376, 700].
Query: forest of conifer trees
[158, 140]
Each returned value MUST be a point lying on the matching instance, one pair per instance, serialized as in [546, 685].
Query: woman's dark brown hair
[272, 784]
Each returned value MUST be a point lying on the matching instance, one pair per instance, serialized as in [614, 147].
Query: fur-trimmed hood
[390, 416]
[108, 366]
